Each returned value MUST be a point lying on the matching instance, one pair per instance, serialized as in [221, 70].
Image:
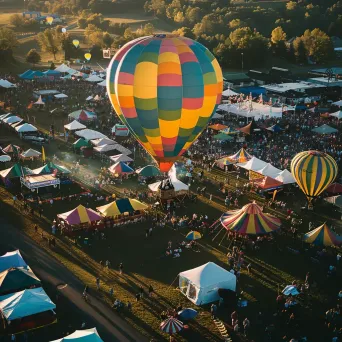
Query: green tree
[291, 6]
[91, 29]
[17, 20]
[8, 39]
[128, 34]
[148, 29]
[50, 41]
[158, 7]
[193, 15]
[107, 40]
[236, 23]
[299, 50]
[184, 32]
[33, 57]
[179, 17]
[278, 41]
[82, 23]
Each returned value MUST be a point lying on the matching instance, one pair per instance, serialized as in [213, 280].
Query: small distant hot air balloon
[165, 89]
[313, 171]
[49, 20]
[76, 43]
[87, 56]
[64, 29]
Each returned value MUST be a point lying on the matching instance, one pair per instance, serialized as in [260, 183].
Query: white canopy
[338, 103]
[87, 335]
[253, 164]
[4, 116]
[337, 115]
[103, 141]
[30, 153]
[97, 98]
[285, 177]
[26, 127]
[65, 69]
[39, 101]
[6, 84]
[121, 158]
[123, 149]
[269, 170]
[12, 119]
[94, 78]
[25, 303]
[89, 98]
[61, 96]
[105, 148]
[74, 125]
[89, 134]
[229, 92]
[103, 83]
[201, 284]
[11, 259]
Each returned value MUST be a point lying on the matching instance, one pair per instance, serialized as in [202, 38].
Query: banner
[106, 53]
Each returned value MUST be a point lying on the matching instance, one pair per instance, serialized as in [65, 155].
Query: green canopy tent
[81, 143]
[148, 171]
[59, 168]
[15, 171]
[17, 279]
[44, 170]
[223, 137]
[324, 129]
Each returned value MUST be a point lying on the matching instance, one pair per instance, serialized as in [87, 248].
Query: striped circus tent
[171, 326]
[240, 156]
[120, 168]
[120, 206]
[80, 215]
[322, 236]
[250, 220]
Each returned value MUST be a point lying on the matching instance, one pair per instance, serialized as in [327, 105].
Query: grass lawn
[5, 16]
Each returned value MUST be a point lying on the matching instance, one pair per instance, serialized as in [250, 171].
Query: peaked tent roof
[218, 127]
[248, 129]
[16, 279]
[322, 236]
[103, 141]
[42, 170]
[25, 303]
[80, 215]
[337, 115]
[11, 148]
[275, 128]
[253, 164]
[59, 168]
[89, 134]
[120, 168]
[81, 143]
[229, 92]
[74, 125]
[40, 101]
[120, 206]
[30, 153]
[285, 177]
[94, 78]
[148, 171]
[121, 158]
[250, 220]
[87, 335]
[324, 129]
[207, 275]
[6, 84]
[269, 170]
[230, 130]
[240, 156]
[52, 72]
[64, 68]
[26, 127]
[103, 83]
[336, 200]
[15, 171]
[12, 119]
[267, 183]
[11, 259]
[105, 148]
[25, 74]
[82, 115]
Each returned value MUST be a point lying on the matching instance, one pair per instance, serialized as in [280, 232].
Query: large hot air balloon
[165, 89]
[313, 171]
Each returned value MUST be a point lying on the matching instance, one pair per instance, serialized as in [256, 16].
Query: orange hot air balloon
[165, 89]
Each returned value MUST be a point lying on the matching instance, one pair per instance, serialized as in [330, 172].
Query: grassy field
[5, 16]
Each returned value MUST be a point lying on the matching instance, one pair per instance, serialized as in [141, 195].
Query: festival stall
[148, 171]
[250, 220]
[228, 92]
[4, 157]
[218, 127]
[87, 335]
[43, 170]
[94, 79]
[322, 236]
[120, 130]
[285, 177]
[6, 84]
[239, 157]
[82, 115]
[201, 284]
[89, 134]
[267, 184]
[81, 143]
[123, 210]
[80, 218]
[30, 154]
[35, 182]
[27, 310]
[17, 279]
[223, 137]
[103, 141]
[334, 188]
[28, 132]
[121, 158]
[120, 168]
[12, 149]
[12, 119]
[325, 129]
[12, 260]
[335, 200]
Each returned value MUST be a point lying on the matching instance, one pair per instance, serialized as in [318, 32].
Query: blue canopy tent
[275, 129]
[52, 73]
[26, 74]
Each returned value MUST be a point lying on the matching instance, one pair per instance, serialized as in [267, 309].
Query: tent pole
[224, 235]
[172, 282]
[217, 234]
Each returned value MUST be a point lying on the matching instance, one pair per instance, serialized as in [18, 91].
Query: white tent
[338, 103]
[30, 153]
[177, 185]
[89, 98]
[97, 98]
[285, 177]
[201, 284]
[121, 158]
[89, 134]
[87, 335]
[39, 101]
[253, 164]
[105, 148]
[12, 119]
[337, 115]
[103, 141]
[65, 69]
[229, 92]
[103, 83]
[25, 303]
[11, 259]
[269, 170]
[6, 84]
[94, 78]
[4, 116]
[61, 96]
[26, 128]
[74, 125]
[123, 149]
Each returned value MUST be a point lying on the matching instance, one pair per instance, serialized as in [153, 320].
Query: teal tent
[81, 143]
[223, 137]
[148, 171]
[324, 129]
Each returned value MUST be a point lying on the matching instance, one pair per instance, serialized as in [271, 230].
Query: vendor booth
[35, 182]
[201, 284]
[12, 259]
[87, 335]
[120, 130]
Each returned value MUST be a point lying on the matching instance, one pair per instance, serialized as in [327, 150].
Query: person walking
[150, 291]
[98, 283]
[246, 324]
[121, 267]
[111, 291]
[213, 310]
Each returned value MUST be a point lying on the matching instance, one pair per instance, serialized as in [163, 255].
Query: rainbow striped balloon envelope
[165, 89]
[322, 236]
[250, 219]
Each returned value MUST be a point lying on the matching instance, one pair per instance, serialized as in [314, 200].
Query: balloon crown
[317, 153]
[163, 35]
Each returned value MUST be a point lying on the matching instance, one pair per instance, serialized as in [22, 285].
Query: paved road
[109, 325]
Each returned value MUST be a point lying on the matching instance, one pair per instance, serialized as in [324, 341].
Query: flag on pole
[43, 154]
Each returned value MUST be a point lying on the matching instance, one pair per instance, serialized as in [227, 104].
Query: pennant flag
[43, 154]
